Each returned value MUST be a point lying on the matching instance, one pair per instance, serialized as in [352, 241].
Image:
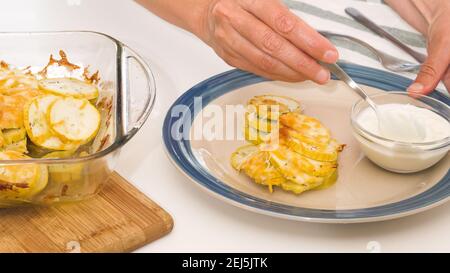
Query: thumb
[432, 71]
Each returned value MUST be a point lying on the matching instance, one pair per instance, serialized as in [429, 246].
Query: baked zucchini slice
[38, 129]
[306, 129]
[70, 87]
[65, 173]
[11, 136]
[271, 106]
[21, 181]
[242, 155]
[19, 146]
[75, 120]
[260, 124]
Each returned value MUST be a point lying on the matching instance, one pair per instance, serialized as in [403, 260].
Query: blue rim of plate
[181, 153]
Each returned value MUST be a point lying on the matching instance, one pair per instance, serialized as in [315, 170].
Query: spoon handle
[343, 76]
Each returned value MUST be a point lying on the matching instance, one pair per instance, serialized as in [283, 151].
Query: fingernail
[330, 56]
[323, 76]
[416, 88]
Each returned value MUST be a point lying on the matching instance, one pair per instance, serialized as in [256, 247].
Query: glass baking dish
[127, 94]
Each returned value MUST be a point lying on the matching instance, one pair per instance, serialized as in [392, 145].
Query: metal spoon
[387, 125]
[343, 76]
[389, 62]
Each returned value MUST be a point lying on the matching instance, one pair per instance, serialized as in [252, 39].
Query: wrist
[199, 23]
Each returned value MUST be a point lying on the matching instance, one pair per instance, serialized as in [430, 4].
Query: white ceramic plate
[363, 192]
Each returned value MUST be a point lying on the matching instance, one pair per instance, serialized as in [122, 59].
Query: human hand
[265, 38]
[437, 65]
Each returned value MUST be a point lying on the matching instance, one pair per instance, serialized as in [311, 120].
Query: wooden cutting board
[119, 219]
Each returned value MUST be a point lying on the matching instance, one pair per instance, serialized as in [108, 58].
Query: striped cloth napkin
[330, 15]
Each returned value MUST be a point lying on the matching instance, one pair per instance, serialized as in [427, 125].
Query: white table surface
[203, 223]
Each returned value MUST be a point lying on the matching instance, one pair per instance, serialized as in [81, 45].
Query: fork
[389, 62]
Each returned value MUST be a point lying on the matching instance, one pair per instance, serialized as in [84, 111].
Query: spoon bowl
[390, 125]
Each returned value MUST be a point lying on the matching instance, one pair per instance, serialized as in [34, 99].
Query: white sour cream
[404, 122]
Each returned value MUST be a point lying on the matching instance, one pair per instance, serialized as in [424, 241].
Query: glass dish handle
[132, 116]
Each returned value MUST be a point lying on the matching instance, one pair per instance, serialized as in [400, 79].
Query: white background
[203, 223]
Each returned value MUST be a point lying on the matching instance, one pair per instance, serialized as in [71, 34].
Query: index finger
[276, 15]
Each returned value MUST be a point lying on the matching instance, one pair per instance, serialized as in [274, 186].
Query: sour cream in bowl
[408, 134]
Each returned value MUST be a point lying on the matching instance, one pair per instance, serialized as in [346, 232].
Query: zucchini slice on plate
[256, 165]
[299, 163]
[69, 87]
[38, 129]
[242, 155]
[299, 188]
[263, 172]
[322, 168]
[261, 124]
[328, 153]
[259, 168]
[295, 169]
[329, 181]
[295, 187]
[257, 137]
[74, 119]
[271, 106]
[306, 129]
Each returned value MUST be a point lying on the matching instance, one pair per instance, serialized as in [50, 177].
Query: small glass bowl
[397, 156]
